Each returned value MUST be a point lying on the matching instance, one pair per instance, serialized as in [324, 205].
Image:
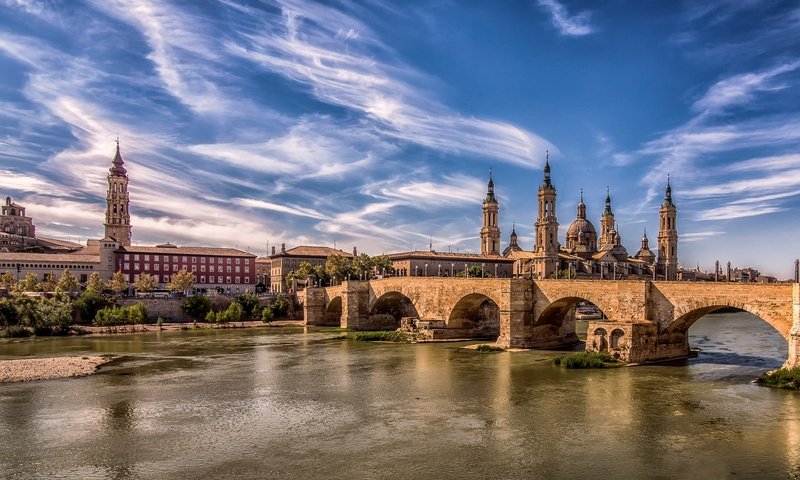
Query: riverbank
[29, 369]
[151, 327]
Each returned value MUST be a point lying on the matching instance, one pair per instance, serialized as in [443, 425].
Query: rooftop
[312, 251]
[176, 250]
[433, 254]
[48, 257]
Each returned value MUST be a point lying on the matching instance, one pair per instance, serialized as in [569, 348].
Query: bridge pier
[515, 322]
[794, 333]
[313, 305]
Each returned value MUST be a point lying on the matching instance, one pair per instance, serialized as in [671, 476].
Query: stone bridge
[643, 320]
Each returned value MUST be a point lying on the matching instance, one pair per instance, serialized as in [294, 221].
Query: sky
[374, 124]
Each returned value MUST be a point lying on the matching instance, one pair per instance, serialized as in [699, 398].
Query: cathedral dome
[581, 224]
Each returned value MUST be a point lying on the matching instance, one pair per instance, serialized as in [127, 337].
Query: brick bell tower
[118, 217]
[545, 261]
[668, 237]
[490, 232]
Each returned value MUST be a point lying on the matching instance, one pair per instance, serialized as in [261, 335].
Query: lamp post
[495, 270]
[482, 267]
[440, 271]
[465, 270]
[452, 268]
[426, 269]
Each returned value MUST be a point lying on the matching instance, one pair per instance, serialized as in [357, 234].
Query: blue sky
[375, 123]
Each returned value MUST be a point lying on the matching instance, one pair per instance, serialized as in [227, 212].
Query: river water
[284, 403]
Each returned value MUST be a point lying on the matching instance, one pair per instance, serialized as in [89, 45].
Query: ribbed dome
[581, 224]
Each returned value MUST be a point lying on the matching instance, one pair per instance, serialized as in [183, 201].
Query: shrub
[249, 302]
[280, 307]
[233, 313]
[90, 302]
[211, 317]
[111, 317]
[379, 336]
[267, 315]
[8, 313]
[584, 360]
[15, 331]
[137, 313]
[196, 306]
[489, 348]
[788, 378]
[53, 315]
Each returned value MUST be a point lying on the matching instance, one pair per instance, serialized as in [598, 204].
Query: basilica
[586, 253]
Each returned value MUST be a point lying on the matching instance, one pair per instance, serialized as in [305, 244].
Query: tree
[382, 264]
[29, 283]
[95, 284]
[196, 306]
[303, 271]
[181, 281]
[8, 313]
[280, 307]
[267, 315]
[249, 302]
[233, 313]
[7, 280]
[211, 317]
[137, 314]
[119, 283]
[90, 302]
[339, 267]
[145, 283]
[362, 265]
[67, 283]
[53, 315]
[48, 284]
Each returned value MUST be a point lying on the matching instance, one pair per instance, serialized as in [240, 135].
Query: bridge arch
[558, 318]
[392, 306]
[477, 313]
[333, 312]
[686, 315]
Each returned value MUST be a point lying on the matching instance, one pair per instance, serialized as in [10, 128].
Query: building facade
[545, 260]
[447, 264]
[118, 216]
[287, 261]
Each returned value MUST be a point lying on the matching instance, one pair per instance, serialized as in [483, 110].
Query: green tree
[211, 317]
[249, 302]
[67, 283]
[26, 310]
[280, 306]
[53, 315]
[267, 315]
[181, 281]
[48, 284]
[303, 271]
[137, 314]
[145, 283]
[119, 283]
[95, 284]
[111, 317]
[196, 306]
[382, 264]
[8, 313]
[338, 267]
[233, 313]
[362, 266]
[29, 283]
[89, 302]
[8, 281]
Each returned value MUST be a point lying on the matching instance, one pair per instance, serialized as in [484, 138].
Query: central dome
[581, 224]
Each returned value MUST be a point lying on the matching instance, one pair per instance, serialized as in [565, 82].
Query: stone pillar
[355, 296]
[794, 333]
[516, 323]
[628, 342]
[313, 305]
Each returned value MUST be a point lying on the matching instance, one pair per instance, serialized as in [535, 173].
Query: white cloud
[741, 89]
[575, 25]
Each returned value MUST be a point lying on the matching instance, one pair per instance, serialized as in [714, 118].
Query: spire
[547, 181]
[513, 242]
[668, 193]
[607, 210]
[490, 198]
[117, 163]
[581, 207]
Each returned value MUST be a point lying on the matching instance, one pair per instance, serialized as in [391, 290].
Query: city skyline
[298, 123]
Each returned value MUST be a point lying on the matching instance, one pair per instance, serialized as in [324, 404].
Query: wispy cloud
[575, 25]
[305, 45]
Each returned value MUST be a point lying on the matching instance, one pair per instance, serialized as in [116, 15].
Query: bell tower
[118, 218]
[490, 233]
[607, 224]
[668, 237]
[545, 261]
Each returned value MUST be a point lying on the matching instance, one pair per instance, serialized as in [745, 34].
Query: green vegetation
[489, 348]
[788, 378]
[90, 302]
[249, 303]
[586, 360]
[181, 281]
[267, 315]
[379, 336]
[280, 306]
[196, 306]
[111, 317]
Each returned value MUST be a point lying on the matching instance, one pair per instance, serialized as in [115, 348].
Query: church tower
[668, 237]
[545, 258]
[118, 218]
[490, 233]
[607, 224]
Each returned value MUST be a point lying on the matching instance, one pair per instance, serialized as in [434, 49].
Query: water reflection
[301, 405]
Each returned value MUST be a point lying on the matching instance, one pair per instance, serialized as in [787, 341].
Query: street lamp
[426, 269]
[482, 266]
[440, 270]
[465, 269]
[495, 270]
[452, 267]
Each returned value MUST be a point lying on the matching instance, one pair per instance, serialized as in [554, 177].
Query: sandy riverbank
[29, 369]
[149, 327]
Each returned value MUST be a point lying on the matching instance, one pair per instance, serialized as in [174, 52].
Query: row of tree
[245, 307]
[181, 281]
[338, 268]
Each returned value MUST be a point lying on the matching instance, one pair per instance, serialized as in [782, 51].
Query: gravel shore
[46, 368]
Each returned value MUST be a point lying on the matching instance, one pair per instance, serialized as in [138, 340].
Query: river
[284, 403]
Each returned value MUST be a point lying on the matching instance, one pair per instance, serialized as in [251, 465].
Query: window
[202, 259]
[136, 267]
[238, 279]
[147, 266]
[127, 266]
[166, 258]
[136, 257]
[237, 261]
[237, 268]
[211, 268]
[185, 260]
[228, 279]
[219, 278]
[147, 258]
[156, 267]
[127, 257]
[174, 267]
[194, 268]
[202, 268]
[219, 259]
[229, 261]
[166, 278]
[228, 269]
[246, 269]
[174, 258]
[203, 279]
[194, 259]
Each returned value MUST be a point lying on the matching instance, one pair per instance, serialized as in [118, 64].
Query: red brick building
[227, 268]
